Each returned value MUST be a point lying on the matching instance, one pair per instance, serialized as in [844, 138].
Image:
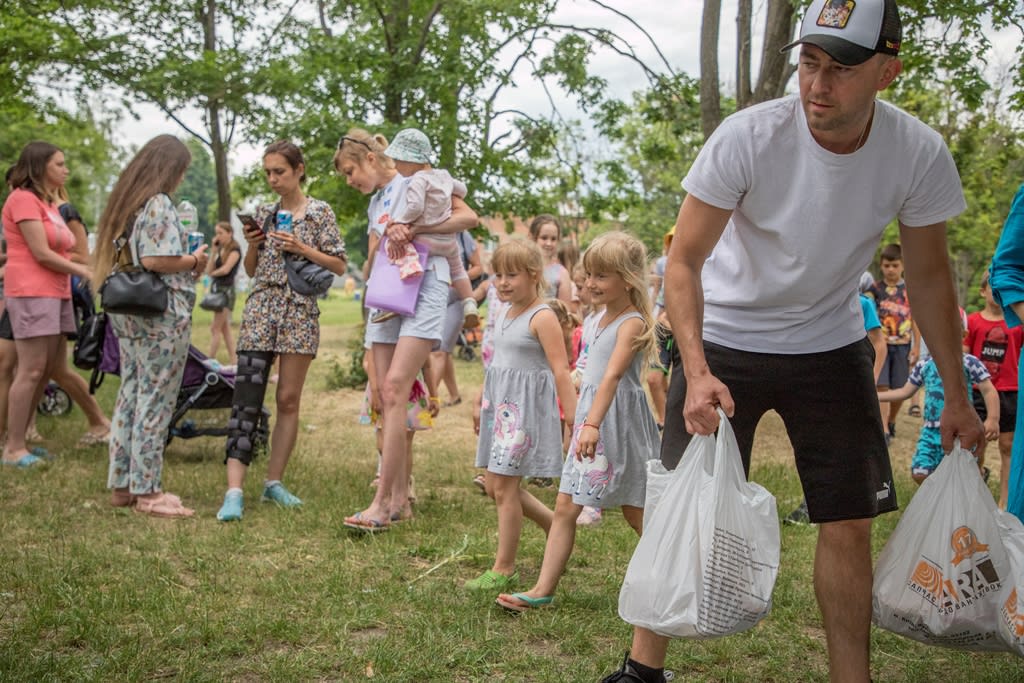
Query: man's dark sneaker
[627, 674]
[798, 517]
[892, 429]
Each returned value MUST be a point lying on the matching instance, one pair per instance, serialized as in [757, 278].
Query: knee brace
[247, 404]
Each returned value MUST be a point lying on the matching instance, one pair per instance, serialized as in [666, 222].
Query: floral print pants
[151, 372]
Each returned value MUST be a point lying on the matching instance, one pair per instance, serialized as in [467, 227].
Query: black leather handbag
[130, 289]
[304, 276]
[89, 346]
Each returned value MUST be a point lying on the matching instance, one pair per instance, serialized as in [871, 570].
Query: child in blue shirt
[929, 451]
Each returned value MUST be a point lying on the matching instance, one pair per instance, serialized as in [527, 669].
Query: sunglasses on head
[346, 138]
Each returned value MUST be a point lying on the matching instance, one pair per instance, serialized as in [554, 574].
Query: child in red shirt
[998, 347]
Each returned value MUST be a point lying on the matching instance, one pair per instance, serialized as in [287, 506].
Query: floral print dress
[277, 318]
[153, 353]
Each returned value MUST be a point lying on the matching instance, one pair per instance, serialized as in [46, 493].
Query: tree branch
[642, 30]
[425, 32]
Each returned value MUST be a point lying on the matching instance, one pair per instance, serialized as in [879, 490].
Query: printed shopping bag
[387, 290]
[1011, 600]
[940, 575]
[709, 555]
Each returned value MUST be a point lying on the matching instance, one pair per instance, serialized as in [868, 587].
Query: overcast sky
[673, 24]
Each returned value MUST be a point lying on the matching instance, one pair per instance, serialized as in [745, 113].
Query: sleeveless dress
[520, 432]
[617, 474]
[553, 278]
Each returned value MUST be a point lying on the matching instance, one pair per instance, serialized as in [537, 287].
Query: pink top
[25, 277]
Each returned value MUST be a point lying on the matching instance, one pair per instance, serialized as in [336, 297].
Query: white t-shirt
[806, 221]
[387, 201]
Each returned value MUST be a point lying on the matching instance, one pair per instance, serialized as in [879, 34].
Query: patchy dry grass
[88, 592]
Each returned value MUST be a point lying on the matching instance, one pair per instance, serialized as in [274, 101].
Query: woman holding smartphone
[277, 321]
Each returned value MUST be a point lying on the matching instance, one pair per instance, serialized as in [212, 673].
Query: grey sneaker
[798, 517]
[277, 493]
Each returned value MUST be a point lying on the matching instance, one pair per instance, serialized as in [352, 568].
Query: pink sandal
[163, 505]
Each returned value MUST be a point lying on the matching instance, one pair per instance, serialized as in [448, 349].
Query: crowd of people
[759, 303]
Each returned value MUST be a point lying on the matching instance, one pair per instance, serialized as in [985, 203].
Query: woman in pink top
[37, 288]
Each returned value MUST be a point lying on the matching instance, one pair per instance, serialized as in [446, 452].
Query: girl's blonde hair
[158, 167]
[519, 256]
[623, 254]
[357, 145]
[567, 320]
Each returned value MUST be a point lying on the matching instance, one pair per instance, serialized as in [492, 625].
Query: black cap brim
[843, 51]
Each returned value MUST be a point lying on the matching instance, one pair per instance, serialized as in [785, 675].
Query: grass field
[93, 593]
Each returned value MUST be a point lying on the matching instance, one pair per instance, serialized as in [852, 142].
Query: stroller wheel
[467, 353]
[55, 402]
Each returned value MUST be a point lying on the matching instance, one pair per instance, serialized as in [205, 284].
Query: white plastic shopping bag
[941, 573]
[707, 561]
[658, 479]
[1011, 600]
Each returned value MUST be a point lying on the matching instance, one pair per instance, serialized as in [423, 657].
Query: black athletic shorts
[1007, 409]
[6, 332]
[829, 405]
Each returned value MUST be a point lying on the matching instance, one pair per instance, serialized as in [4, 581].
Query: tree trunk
[744, 11]
[710, 106]
[213, 109]
[775, 66]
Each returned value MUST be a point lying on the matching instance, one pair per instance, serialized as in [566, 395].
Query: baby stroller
[204, 386]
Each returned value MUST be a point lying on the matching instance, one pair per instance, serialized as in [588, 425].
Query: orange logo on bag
[1014, 619]
[965, 544]
[928, 577]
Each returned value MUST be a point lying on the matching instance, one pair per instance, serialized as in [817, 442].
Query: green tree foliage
[214, 55]
[200, 186]
[989, 153]
[443, 66]
[655, 138]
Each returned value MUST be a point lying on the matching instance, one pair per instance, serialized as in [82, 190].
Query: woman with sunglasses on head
[37, 285]
[277, 321]
[401, 345]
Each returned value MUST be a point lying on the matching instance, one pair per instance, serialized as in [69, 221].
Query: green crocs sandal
[491, 580]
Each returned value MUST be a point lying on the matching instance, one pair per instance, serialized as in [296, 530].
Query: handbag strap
[126, 237]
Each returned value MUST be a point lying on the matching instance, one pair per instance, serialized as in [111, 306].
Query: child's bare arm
[901, 394]
[621, 358]
[991, 396]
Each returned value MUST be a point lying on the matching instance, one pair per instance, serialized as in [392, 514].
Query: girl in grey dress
[614, 433]
[520, 430]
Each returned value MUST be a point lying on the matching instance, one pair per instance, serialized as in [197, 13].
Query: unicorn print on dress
[510, 441]
[592, 475]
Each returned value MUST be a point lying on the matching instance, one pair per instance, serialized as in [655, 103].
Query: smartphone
[248, 222]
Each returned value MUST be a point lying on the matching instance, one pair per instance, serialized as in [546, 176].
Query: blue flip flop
[25, 461]
[526, 603]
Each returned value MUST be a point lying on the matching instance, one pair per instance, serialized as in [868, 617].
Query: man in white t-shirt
[786, 204]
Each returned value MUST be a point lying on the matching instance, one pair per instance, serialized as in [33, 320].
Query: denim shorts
[453, 318]
[426, 323]
[829, 406]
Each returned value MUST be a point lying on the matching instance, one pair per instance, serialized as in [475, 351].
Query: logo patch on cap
[836, 13]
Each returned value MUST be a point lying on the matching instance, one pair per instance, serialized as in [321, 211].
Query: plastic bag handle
[728, 470]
